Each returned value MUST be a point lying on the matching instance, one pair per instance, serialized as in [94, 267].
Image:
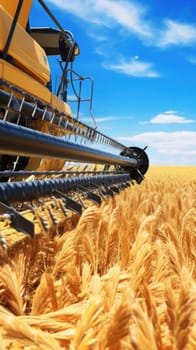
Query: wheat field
[123, 278]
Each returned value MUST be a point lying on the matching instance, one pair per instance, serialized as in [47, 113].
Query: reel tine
[106, 191]
[94, 197]
[115, 189]
[90, 195]
[19, 222]
[69, 202]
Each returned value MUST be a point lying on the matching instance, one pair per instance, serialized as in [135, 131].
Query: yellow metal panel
[60, 105]
[25, 82]
[25, 51]
[11, 5]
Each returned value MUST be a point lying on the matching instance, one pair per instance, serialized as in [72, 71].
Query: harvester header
[47, 153]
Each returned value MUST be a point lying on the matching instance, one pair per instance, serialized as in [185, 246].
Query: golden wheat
[123, 278]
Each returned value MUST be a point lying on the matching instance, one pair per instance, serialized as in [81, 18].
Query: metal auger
[21, 141]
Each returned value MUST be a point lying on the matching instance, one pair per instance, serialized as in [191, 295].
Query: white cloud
[99, 37]
[78, 7]
[99, 119]
[103, 51]
[164, 148]
[177, 33]
[170, 117]
[172, 111]
[131, 16]
[125, 13]
[105, 119]
[133, 68]
[168, 143]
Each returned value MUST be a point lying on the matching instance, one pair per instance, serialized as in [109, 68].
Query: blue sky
[142, 56]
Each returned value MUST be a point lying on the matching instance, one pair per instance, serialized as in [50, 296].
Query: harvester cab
[56, 42]
[43, 146]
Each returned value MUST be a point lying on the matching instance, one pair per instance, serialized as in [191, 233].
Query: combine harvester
[39, 136]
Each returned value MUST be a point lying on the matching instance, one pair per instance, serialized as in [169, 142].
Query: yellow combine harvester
[39, 135]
